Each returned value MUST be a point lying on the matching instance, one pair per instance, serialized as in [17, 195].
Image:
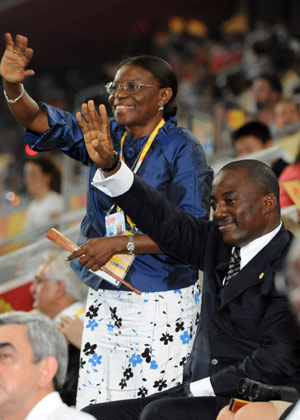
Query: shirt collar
[76, 309]
[250, 250]
[45, 406]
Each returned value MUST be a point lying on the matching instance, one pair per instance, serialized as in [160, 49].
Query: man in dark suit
[245, 328]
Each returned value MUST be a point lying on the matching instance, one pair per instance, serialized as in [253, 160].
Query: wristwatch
[130, 246]
[115, 163]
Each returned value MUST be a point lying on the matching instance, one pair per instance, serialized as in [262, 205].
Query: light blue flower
[135, 359]
[92, 324]
[110, 326]
[95, 360]
[153, 364]
[185, 337]
[178, 291]
[197, 297]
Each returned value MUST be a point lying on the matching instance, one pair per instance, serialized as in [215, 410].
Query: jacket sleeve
[178, 234]
[276, 361]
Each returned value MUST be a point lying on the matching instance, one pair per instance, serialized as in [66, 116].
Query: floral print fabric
[134, 345]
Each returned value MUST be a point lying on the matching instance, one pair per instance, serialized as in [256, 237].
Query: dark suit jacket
[69, 389]
[245, 329]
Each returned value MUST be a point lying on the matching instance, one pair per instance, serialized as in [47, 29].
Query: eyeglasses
[132, 87]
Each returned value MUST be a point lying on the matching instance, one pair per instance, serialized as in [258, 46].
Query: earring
[160, 108]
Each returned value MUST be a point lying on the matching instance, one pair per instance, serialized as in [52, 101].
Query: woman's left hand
[97, 251]
[96, 133]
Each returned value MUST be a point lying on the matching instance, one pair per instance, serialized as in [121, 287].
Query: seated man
[59, 294]
[246, 328]
[275, 410]
[33, 362]
[253, 137]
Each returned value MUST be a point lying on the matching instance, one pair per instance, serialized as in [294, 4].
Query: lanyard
[145, 148]
[140, 158]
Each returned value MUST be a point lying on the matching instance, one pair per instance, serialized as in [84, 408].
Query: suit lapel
[255, 271]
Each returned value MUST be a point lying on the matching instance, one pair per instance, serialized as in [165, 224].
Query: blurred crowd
[219, 78]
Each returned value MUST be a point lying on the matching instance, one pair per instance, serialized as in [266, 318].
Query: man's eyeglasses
[132, 87]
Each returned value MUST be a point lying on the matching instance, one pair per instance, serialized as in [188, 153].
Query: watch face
[130, 245]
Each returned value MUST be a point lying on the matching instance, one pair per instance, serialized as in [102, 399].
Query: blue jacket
[175, 165]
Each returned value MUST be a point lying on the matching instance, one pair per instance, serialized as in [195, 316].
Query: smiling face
[239, 207]
[19, 376]
[137, 111]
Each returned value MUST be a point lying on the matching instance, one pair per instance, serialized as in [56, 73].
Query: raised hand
[96, 133]
[15, 59]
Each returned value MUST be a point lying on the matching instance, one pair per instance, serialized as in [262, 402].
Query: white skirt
[134, 346]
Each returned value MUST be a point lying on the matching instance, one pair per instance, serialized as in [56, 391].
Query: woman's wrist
[13, 97]
[114, 164]
[107, 174]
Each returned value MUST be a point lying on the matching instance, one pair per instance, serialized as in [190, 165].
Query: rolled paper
[59, 239]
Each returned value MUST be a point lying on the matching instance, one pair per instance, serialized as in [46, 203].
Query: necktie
[234, 265]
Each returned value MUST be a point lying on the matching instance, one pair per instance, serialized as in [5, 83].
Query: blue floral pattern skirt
[134, 346]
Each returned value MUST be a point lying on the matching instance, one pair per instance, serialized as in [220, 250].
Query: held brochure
[113, 271]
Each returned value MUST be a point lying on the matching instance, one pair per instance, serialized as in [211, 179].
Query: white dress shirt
[295, 413]
[51, 407]
[76, 309]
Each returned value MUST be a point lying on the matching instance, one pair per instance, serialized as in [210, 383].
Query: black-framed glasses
[132, 87]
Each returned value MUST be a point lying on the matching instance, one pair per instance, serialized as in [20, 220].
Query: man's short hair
[253, 128]
[59, 269]
[260, 174]
[44, 338]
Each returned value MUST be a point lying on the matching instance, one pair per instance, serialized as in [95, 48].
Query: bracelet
[13, 101]
[114, 165]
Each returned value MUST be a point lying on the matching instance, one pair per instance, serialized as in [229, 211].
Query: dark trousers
[160, 406]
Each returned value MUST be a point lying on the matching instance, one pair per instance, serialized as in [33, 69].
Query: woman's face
[37, 182]
[138, 111]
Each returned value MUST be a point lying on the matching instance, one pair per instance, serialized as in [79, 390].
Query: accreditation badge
[115, 224]
[118, 265]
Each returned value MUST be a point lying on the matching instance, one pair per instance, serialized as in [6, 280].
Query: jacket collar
[268, 259]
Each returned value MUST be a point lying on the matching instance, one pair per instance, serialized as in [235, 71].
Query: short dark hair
[252, 128]
[162, 71]
[260, 173]
[48, 167]
[273, 81]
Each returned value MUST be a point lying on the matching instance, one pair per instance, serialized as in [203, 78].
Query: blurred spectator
[289, 173]
[42, 178]
[286, 112]
[252, 137]
[59, 294]
[267, 90]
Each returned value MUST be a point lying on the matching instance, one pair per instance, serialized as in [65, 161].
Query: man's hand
[15, 59]
[96, 133]
[97, 251]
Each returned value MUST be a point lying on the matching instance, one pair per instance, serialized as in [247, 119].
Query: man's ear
[270, 202]
[60, 288]
[48, 368]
